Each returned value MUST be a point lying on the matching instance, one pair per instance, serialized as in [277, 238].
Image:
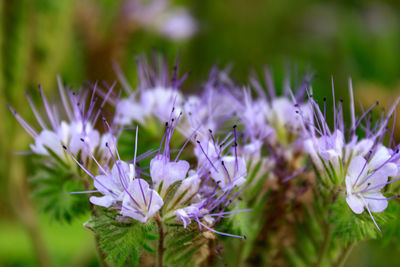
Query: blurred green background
[79, 39]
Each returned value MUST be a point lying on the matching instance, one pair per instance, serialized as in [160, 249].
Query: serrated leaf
[183, 244]
[51, 187]
[123, 243]
[351, 227]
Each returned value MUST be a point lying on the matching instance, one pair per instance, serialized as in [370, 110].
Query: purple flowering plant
[238, 174]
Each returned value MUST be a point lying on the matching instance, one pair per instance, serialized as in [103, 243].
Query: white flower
[141, 202]
[328, 148]
[230, 172]
[364, 181]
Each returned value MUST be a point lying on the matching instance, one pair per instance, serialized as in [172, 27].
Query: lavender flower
[79, 125]
[157, 94]
[365, 179]
[171, 21]
[365, 165]
[146, 204]
[164, 172]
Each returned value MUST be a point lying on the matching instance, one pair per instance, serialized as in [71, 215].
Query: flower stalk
[161, 238]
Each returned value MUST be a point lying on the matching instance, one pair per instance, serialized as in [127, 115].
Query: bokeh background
[79, 39]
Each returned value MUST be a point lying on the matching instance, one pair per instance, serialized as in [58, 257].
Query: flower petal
[356, 169]
[380, 156]
[376, 201]
[356, 204]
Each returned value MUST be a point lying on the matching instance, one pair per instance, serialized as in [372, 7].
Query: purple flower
[173, 22]
[78, 124]
[113, 184]
[164, 173]
[157, 93]
[141, 202]
[121, 189]
[329, 149]
[230, 172]
[365, 179]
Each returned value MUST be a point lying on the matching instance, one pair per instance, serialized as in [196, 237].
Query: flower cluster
[223, 150]
[80, 115]
[362, 161]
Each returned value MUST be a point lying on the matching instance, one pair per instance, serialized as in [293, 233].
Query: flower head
[76, 124]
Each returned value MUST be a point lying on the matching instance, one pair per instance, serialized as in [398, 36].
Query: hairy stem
[325, 245]
[94, 213]
[100, 252]
[343, 256]
[161, 249]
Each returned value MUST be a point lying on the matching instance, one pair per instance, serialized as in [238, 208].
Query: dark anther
[82, 140]
[65, 147]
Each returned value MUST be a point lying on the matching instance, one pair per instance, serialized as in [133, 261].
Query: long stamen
[220, 233]
[92, 156]
[334, 103]
[370, 214]
[48, 110]
[362, 170]
[35, 112]
[379, 167]
[352, 111]
[226, 171]
[64, 98]
[235, 147]
[186, 142]
[23, 123]
[83, 167]
[376, 187]
[122, 177]
[205, 154]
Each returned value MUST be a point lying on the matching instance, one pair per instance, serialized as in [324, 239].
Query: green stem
[161, 249]
[343, 256]
[93, 211]
[100, 252]
[325, 245]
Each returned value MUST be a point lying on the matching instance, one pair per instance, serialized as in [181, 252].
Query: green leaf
[186, 247]
[353, 227]
[51, 187]
[123, 242]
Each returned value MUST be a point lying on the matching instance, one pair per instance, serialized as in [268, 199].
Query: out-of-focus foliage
[80, 39]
